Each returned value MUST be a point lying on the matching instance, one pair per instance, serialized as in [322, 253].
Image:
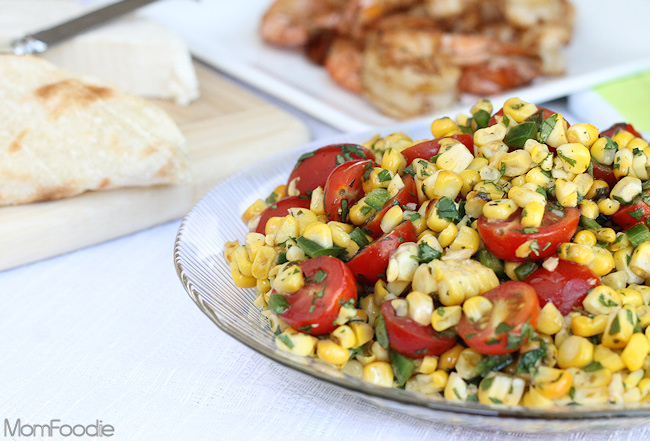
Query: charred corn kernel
[598, 189]
[620, 327]
[532, 214]
[608, 358]
[500, 209]
[596, 378]
[496, 132]
[518, 110]
[490, 190]
[575, 351]
[296, 342]
[622, 137]
[444, 317]
[467, 363]
[456, 158]
[534, 398]
[585, 237]
[577, 253]
[603, 262]
[525, 195]
[575, 157]
[393, 161]
[626, 189]
[229, 249]
[552, 383]
[332, 353]
[289, 279]
[420, 307]
[240, 256]
[476, 307]
[456, 388]
[588, 209]
[550, 319]
[379, 373]
[601, 300]
[447, 236]
[584, 182]
[584, 326]
[443, 126]
[603, 151]
[489, 173]
[640, 260]
[319, 233]
[566, 193]
[448, 359]
[498, 388]
[635, 352]
[240, 280]
[466, 239]
[255, 209]
[605, 235]
[448, 184]
[608, 206]
[630, 297]
[558, 135]
[469, 179]
[623, 160]
[265, 259]
[585, 134]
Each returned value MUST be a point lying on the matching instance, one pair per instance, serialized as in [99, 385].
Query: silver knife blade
[42, 40]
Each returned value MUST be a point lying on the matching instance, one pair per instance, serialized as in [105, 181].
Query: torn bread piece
[63, 134]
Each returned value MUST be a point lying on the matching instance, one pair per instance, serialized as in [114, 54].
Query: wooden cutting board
[225, 128]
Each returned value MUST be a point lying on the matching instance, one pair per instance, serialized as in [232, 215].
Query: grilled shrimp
[500, 73]
[343, 63]
[360, 15]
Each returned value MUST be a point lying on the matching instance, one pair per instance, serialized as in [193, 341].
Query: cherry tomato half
[344, 187]
[406, 195]
[503, 237]
[412, 339]
[313, 168]
[620, 126]
[428, 149]
[566, 286]
[545, 114]
[629, 215]
[369, 264]
[329, 284]
[604, 173]
[281, 208]
[504, 329]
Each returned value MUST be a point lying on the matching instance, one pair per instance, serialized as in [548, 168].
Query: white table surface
[108, 333]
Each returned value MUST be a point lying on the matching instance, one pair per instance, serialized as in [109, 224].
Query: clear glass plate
[205, 274]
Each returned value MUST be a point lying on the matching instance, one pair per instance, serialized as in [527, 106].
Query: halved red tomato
[406, 195]
[429, 149]
[566, 286]
[545, 114]
[313, 168]
[329, 284]
[503, 237]
[604, 173]
[281, 208]
[369, 264]
[630, 215]
[344, 187]
[515, 309]
[620, 126]
[412, 339]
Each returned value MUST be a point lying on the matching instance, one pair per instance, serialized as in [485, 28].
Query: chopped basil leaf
[481, 118]
[313, 249]
[593, 366]
[319, 276]
[427, 253]
[519, 134]
[492, 363]
[278, 303]
[384, 175]
[637, 214]
[377, 198]
[303, 157]
[547, 127]
[566, 159]
[380, 332]
[403, 367]
[447, 210]
[284, 338]
[358, 236]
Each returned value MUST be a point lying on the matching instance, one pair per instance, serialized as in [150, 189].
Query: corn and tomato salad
[505, 260]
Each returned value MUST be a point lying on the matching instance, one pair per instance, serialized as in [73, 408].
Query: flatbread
[62, 134]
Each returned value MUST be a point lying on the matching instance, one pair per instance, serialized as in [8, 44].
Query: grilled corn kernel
[575, 351]
[532, 214]
[566, 193]
[393, 161]
[420, 307]
[456, 158]
[635, 352]
[601, 300]
[605, 235]
[296, 342]
[518, 110]
[469, 179]
[448, 359]
[585, 134]
[443, 126]
[620, 327]
[496, 132]
[447, 183]
[552, 383]
[524, 195]
[640, 260]
[332, 353]
[498, 388]
[379, 373]
[467, 362]
[500, 209]
[585, 237]
[626, 189]
[588, 326]
[623, 161]
[466, 239]
[363, 332]
[265, 259]
[603, 151]
[608, 206]
[608, 358]
[550, 319]
[558, 134]
[444, 317]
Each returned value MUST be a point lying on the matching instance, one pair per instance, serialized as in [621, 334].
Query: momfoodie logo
[55, 429]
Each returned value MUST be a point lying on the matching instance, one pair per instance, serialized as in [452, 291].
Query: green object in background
[631, 98]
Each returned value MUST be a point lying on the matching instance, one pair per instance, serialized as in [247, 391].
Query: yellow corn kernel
[240, 280]
[447, 236]
[448, 359]
[584, 326]
[575, 351]
[632, 379]
[550, 319]
[393, 161]
[623, 161]
[552, 383]
[316, 203]
[577, 253]
[420, 307]
[636, 351]
[620, 327]
[296, 342]
[240, 256]
[623, 258]
[467, 362]
[608, 358]
[345, 337]
[476, 307]
[603, 262]
[486, 135]
[518, 110]
[229, 249]
[534, 398]
[443, 126]
[588, 208]
[637, 143]
[585, 134]
[598, 189]
[289, 279]
[263, 286]
[596, 378]
[435, 222]
[630, 297]
[363, 332]
[585, 237]
[456, 388]
[532, 214]
[379, 373]
[482, 104]
[575, 157]
[603, 151]
[393, 217]
[360, 212]
[444, 317]
[253, 210]
[377, 178]
[332, 353]
[605, 235]
[643, 314]
[426, 365]
[558, 134]
[644, 386]
[608, 206]
[466, 239]
[265, 259]
[566, 192]
[498, 388]
[626, 189]
[510, 268]
[469, 179]
[622, 137]
[439, 379]
[319, 233]
[515, 163]
[448, 184]
[525, 194]
[500, 209]
[601, 300]
[455, 158]
[640, 260]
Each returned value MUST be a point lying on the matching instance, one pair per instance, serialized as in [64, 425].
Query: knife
[42, 40]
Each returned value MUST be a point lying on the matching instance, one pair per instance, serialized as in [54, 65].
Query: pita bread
[63, 134]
